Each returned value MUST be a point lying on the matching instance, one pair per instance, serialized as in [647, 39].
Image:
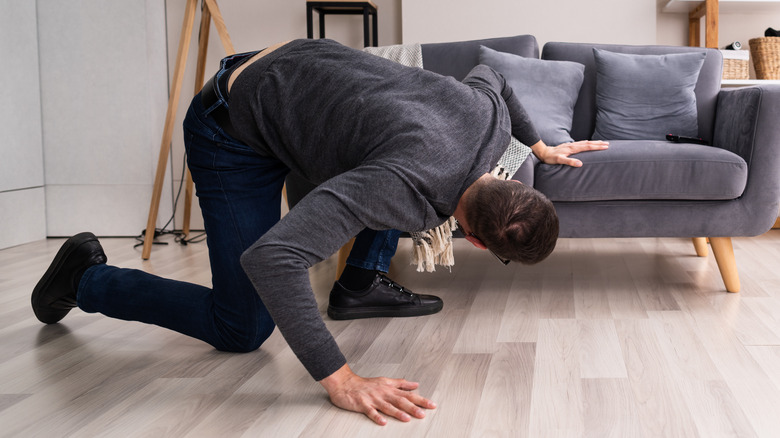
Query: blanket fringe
[434, 247]
[500, 172]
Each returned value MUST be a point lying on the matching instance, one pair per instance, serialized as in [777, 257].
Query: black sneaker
[383, 298]
[55, 293]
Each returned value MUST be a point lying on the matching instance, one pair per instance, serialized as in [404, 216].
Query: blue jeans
[374, 249]
[239, 192]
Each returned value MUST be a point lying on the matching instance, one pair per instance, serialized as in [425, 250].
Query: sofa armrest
[525, 173]
[736, 120]
[746, 124]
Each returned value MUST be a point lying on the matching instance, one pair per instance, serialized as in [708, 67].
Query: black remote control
[683, 139]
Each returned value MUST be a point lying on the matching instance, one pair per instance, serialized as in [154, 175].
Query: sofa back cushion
[547, 89]
[456, 59]
[646, 97]
[583, 124]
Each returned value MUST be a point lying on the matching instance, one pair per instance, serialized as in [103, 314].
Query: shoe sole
[383, 312]
[51, 316]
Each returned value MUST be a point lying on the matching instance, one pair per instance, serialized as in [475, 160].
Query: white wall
[22, 211]
[599, 21]
[103, 96]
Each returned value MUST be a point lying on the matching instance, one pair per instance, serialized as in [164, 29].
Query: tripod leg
[219, 23]
[203, 47]
[173, 100]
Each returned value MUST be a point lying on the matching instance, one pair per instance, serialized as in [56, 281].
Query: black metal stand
[342, 8]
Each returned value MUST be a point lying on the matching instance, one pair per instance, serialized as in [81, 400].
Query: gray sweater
[390, 147]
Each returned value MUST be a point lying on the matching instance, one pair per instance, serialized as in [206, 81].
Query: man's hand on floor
[375, 396]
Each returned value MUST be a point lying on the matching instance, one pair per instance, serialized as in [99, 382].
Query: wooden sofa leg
[343, 255]
[700, 244]
[724, 255]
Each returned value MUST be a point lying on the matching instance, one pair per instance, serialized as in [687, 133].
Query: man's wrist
[337, 379]
[539, 149]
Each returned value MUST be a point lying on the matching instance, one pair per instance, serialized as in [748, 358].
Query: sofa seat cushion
[646, 170]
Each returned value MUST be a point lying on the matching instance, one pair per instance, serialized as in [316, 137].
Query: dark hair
[513, 220]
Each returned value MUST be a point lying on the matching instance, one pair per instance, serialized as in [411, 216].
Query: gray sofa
[651, 187]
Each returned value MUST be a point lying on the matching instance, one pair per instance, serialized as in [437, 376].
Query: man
[389, 147]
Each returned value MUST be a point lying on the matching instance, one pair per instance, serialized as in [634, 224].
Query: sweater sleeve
[485, 78]
[277, 264]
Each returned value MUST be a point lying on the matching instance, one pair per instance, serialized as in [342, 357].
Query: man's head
[513, 220]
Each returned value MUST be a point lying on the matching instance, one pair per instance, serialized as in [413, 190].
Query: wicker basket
[736, 64]
[766, 57]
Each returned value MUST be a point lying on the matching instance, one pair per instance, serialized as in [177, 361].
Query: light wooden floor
[609, 337]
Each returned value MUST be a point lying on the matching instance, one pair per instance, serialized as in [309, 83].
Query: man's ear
[475, 241]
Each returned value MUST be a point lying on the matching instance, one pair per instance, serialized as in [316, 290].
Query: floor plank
[610, 409]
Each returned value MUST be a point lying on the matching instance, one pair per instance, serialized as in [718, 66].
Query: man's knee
[245, 341]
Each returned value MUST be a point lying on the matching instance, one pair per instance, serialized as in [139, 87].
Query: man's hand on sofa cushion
[561, 153]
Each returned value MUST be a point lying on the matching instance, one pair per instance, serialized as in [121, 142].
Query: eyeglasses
[502, 260]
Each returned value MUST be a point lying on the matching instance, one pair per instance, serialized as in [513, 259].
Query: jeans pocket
[205, 135]
[225, 142]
